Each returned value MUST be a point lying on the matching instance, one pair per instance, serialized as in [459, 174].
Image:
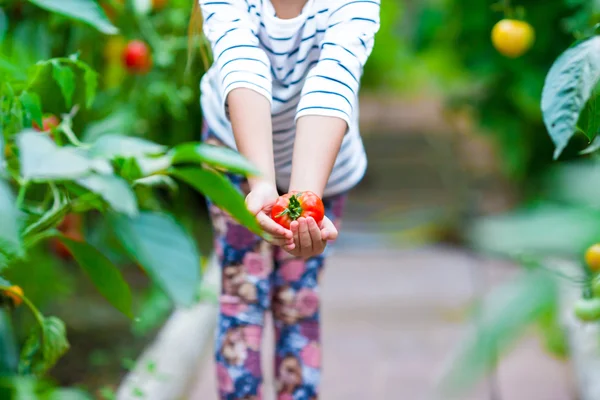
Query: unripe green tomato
[587, 310]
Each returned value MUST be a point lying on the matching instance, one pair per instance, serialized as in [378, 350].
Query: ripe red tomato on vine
[294, 205]
[72, 228]
[49, 122]
[137, 57]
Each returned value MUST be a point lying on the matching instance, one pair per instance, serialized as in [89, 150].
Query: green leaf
[105, 276]
[33, 108]
[500, 319]
[570, 183]
[65, 78]
[2, 150]
[68, 394]
[9, 353]
[111, 146]
[41, 159]
[153, 311]
[91, 83]
[120, 121]
[114, 190]
[41, 352]
[82, 10]
[546, 229]
[157, 181]
[10, 240]
[20, 388]
[215, 156]
[567, 88]
[592, 148]
[3, 24]
[164, 250]
[220, 191]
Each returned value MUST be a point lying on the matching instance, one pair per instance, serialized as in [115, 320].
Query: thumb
[253, 203]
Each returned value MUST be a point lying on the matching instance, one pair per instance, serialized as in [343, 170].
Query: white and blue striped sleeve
[239, 59]
[331, 87]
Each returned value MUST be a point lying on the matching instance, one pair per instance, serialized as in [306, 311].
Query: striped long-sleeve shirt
[308, 65]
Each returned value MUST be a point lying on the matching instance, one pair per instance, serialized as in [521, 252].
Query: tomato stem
[294, 208]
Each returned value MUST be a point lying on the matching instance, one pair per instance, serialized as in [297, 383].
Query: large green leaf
[567, 88]
[105, 276]
[110, 146]
[87, 11]
[546, 229]
[215, 156]
[10, 240]
[43, 349]
[32, 106]
[500, 319]
[65, 78]
[41, 159]
[114, 190]
[161, 246]
[220, 191]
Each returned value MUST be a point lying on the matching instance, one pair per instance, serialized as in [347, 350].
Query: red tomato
[136, 57]
[70, 227]
[292, 206]
[49, 122]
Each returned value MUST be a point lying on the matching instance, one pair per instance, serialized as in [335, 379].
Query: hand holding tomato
[304, 214]
[260, 202]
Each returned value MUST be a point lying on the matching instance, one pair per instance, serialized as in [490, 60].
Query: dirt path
[393, 317]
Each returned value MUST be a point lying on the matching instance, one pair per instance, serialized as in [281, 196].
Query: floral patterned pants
[258, 278]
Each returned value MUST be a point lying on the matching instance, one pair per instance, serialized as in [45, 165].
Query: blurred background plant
[83, 143]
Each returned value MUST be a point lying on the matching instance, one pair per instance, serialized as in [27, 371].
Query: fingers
[328, 230]
[282, 242]
[306, 243]
[314, 231]
[295, 225]
[272, 227]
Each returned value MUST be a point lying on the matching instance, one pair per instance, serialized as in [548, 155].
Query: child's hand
[309, 239]
[260, 201]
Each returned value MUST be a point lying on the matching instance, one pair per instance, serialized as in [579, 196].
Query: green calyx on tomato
[291, 206]
[294, 209]
[587, 310]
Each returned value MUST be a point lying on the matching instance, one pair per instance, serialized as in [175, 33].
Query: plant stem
[36, 313]
[32, 241]
[66, 128]
[22, 192]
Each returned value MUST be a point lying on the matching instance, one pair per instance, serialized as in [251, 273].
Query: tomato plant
[294, 205]
[553, 236]
[75, 155]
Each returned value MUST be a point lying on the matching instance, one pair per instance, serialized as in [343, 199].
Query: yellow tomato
[512, 38]
[14, 293]
[592, 257]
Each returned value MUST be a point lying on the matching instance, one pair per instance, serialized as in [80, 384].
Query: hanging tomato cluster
[588, 307]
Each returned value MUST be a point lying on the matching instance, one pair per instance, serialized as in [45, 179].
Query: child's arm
[244, 72]
[330, 95]
[327, 107]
